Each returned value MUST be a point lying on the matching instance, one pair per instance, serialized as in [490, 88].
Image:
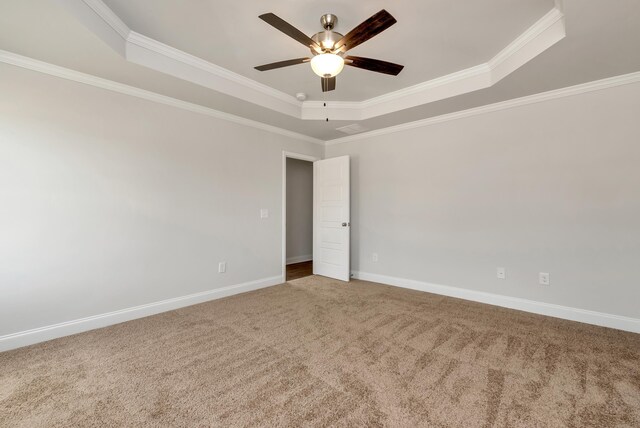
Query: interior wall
[548, 187]
[299, 210]
[109, 201]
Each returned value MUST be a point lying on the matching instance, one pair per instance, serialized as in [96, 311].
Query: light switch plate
[264, 213]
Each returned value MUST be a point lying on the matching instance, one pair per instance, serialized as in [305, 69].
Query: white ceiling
[602, 40]
[431, 38]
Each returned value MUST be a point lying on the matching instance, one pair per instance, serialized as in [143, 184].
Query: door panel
[331, 218]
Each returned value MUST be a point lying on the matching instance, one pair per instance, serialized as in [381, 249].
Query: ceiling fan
[328, 48]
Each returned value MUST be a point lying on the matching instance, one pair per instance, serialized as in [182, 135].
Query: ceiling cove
[142, 50]
[121, 88]
[359, 132]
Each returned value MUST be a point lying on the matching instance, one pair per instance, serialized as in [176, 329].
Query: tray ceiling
[601, 41]
[431, 39]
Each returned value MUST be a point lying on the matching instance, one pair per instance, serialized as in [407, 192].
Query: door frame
[285, 155]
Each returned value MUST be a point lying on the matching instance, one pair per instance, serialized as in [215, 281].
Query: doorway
[297, 216]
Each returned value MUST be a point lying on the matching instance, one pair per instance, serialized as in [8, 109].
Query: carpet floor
[317, 352]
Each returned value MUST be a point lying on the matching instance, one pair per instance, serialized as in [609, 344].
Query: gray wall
[299, 210]
[548, 187]
[109, 201]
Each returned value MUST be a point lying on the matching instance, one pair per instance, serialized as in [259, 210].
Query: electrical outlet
[222, 267]
[543, 278]
[501, 273]
[374, 257]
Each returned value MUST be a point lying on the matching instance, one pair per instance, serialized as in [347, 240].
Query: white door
[331, 220]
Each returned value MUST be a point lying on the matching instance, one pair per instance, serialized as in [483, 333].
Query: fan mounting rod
[328, 21]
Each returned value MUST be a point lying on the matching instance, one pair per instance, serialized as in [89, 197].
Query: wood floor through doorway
[299, 270]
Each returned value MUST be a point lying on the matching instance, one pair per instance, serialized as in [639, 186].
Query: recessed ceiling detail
[142, 50]
[356, 131]
[109, 85]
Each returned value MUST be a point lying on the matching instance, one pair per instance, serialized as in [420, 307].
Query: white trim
[299, 259]
[597, 85]
[300, 156]
[76, 76]
[178, 55]
[143, 50]
[109, 17]
[548, 309]
[546, 32]
[165, 59]
[41, 334]
[543, 34]
[448, 79]
[153, 54]
[334, 110]
[101, 20]
[285, 155]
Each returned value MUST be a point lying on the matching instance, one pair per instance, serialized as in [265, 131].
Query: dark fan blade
[289, 30]
[369, 28]
[374, 65]
[328, 83]
[281, 64]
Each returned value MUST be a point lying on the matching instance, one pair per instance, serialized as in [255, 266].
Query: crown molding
[87, 79]
[76, 76]
[439, 88]
[597, 85]
[166, 59]
[546, 32]
[163, 49]
[109, 17]
[142, 50]
[101, 20]
[554, 16]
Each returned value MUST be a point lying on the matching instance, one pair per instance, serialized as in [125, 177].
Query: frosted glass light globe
[327, 65]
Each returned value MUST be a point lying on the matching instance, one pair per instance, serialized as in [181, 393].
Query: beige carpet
[316, 352]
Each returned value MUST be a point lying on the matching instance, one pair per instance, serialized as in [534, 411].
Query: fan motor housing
[327, 40]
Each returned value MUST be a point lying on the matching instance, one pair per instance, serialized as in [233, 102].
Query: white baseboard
[41, 334]
[549, 309]
[299, 259]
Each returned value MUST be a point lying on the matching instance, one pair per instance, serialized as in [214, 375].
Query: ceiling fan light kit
[328, 47]
[327, 64]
